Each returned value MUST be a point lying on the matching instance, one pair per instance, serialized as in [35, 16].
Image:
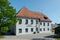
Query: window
[20, 21]
[40, 29]
[40, 23]
[43, 29]
[26, 21]
[39, 20]
[48, 29]
[45, 17]
[48, 24]
[31, 29]
[31, 21]
[20, 30]
[36, 29]
[26, 29]
[44, 24]
[36, 21]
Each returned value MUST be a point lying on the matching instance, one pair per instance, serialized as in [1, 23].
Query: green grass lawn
[57, 39]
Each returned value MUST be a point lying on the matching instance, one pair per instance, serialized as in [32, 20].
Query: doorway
[37, 30]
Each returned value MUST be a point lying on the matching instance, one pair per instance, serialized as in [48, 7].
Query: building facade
[32, 22]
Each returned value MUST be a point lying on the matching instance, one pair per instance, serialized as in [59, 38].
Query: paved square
[38, 36]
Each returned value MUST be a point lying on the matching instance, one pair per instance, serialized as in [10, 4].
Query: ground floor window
[48, 29]
[20, 30]
[43, 29]
[31, 29]
[26, 29]
[40, 29]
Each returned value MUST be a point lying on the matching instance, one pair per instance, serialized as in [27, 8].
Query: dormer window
[45, 17]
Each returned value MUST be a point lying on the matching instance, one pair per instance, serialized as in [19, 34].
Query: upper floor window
[26, 21]
[36, 21]
[40, 23]
[31, 21]
[48, 24]
[44, 24]
[20, 21]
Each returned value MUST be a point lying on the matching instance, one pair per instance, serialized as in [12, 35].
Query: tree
[7, 16]
[57, 30]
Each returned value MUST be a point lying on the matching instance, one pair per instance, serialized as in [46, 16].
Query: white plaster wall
[46, 27]
[23, 26]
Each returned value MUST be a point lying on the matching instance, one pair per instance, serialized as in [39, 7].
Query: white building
[32, 22]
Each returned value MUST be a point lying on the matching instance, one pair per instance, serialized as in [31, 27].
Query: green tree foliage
[4, 29]
[7, 15]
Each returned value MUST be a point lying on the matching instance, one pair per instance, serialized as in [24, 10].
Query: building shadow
[40, 39]
[52, 36]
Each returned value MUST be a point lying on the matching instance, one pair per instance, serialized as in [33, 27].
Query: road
[38, 36]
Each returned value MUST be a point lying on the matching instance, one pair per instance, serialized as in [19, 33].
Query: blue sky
[51, 8]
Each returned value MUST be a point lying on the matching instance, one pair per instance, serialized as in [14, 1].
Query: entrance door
[37, 30]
